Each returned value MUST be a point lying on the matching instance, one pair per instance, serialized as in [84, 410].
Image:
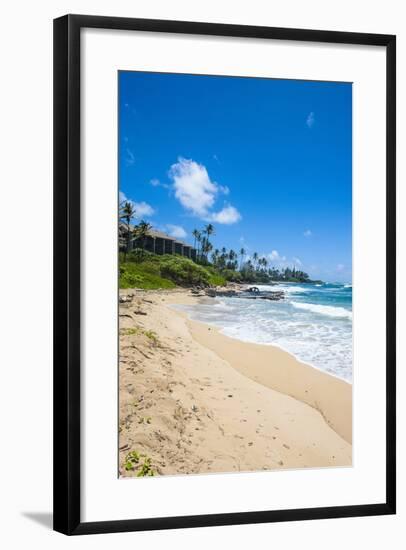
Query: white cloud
[226, 215]
[193, 187]
[156, 183]
[129, 157]
[308, 233]
[310, 120]
[176, 231]
[142, 209]
[197, 193]
[274, 256]
[297, 261]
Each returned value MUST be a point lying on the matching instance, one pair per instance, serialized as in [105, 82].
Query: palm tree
[209, 247]
[255, 258]
[231, 256]
[206, 247]
[223, 257]
[141, 232]
[196, 234]
[199, 244]
[215, 256]
[127, 213]
[242, 254]
[263, 262]
[203, 243]
[209, 229]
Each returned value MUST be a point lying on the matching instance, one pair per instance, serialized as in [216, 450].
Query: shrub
[146, 276]
[140, 463]
[139, 255]
[183, 271]
[230, 275]
[167, 271]
[216, 280]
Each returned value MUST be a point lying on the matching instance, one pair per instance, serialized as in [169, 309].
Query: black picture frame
[67, 294]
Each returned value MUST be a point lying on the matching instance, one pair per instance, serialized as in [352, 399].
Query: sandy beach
[195, 401]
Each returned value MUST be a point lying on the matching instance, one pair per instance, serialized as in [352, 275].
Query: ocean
[313, 322]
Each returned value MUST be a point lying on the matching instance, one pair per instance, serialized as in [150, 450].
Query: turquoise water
[313, 322]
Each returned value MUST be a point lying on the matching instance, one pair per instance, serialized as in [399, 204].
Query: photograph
[235, 349]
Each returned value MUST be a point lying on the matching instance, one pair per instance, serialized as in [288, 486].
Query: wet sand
[195, 401]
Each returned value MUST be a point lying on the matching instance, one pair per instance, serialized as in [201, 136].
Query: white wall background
[25, 289]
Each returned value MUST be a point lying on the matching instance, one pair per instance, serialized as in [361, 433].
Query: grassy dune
[153, 272]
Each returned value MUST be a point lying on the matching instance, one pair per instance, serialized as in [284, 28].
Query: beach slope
[195, 401]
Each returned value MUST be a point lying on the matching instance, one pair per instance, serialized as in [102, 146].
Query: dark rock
[125, 298]
[251, 293]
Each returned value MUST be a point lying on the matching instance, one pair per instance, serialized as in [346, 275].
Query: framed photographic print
[224, 304]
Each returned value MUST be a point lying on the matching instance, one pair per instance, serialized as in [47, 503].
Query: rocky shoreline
[230, 291]
[240, 291]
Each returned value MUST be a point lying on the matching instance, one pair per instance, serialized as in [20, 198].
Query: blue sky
[268, 162]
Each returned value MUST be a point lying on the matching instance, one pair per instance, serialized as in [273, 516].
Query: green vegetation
[150, 334]
[131, 460]
[183, 271]
[126, 213]
[215, 278]
[131, 331]
[146, 469]
[233, 266]
[140, 268]
[134, 275]
[134, 461]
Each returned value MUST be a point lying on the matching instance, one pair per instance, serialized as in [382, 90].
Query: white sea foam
[331, 311]
[222, 306]
[285, 288]
[316, 333]
[333, 356]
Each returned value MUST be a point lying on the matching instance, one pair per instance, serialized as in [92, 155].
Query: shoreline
[321, 390]
[218, 404]
[272, 344]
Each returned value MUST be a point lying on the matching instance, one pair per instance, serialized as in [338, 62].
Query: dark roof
[159, 234]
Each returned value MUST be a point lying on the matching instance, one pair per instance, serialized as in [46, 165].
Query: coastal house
[157, 242]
